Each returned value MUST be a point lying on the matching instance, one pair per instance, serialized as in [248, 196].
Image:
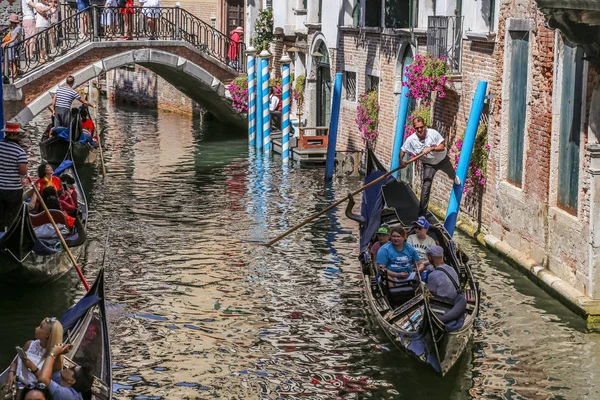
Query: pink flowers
[478, 164]
[239, 93]
[367, 115]
[426, 75]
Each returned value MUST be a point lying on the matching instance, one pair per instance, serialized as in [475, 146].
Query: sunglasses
[39, 385]
[419, 128]
[50, 320]
[419, 227]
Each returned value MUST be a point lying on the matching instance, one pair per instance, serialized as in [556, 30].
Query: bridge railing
[106, 24]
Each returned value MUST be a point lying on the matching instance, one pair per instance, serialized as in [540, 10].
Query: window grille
[350, 85]
[372, 83]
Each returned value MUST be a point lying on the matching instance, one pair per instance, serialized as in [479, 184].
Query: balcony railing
[104, 24]
[444, 39]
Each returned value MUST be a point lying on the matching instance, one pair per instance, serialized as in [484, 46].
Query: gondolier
[13, 171]
[428, 141]
[63, 99]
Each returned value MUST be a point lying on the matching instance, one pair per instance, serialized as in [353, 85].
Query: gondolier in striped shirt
[13, 173]
[63, 99]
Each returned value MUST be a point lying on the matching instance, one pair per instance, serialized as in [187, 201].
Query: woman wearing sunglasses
[27, 366]
[38, 391]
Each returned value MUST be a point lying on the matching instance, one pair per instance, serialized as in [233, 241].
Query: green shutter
[519, 67]
[570, 127]
[398, 13]
[373, 13]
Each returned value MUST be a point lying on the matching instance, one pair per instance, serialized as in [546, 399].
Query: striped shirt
[11, 155]
[65, 96]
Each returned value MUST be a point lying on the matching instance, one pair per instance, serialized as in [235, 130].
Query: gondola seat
[42, 218]
[402, 292]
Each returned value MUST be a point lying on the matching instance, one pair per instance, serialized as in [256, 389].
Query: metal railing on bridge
[96, 24]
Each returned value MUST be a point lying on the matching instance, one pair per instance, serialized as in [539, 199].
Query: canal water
[200, 309]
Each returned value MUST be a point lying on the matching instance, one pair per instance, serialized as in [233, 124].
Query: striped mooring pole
[266, 113]
[251, 97]
[285, 109]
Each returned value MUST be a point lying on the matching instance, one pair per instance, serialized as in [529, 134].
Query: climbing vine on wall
[263, 29]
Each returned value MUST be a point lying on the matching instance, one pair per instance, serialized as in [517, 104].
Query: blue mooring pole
[333, 126]
[251, 97]
[400, 123]
[266, 120]
[259, 107]
[2, 99]
[285, 109]
[465, 157]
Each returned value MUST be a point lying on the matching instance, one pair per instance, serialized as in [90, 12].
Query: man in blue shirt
[73, 381]
[398, 257]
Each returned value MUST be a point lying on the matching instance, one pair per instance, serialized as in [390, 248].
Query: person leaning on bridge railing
[151, 9]
[127, 10]
[10, 43]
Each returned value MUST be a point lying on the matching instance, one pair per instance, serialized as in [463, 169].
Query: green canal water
[199, 310]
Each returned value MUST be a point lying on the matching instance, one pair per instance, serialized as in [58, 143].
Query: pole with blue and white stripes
[251, 97]
[266, 113]
[285, 109]
[258, 104]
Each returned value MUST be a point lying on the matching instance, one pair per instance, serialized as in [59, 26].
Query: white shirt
[421, 246]
[27, 10]
[416, 146]
[273, 103]
[42, 20]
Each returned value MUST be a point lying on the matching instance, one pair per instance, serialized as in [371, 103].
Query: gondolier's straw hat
[12, 127]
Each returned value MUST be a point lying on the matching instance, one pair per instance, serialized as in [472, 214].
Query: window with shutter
[570, 127]
[519, 67]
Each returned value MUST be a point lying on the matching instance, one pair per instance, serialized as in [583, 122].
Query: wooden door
[235, 14]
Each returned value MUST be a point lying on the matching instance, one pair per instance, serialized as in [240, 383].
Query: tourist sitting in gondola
[383, 237]
[27, 369]
[68, 196]
[442, 280]
[420, 240]
[45, 177]
[86, 121]
[37, 391]
[398, 258]
[71, 382]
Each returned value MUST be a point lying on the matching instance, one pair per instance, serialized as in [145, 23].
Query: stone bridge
[188, 69]
[184, 50]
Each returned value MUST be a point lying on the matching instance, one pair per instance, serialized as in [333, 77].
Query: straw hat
[14, 18]
[239, 29]
[13, 127]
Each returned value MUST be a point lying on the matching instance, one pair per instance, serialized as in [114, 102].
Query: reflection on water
[199, 309]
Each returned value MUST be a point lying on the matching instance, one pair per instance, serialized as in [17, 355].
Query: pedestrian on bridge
[151, 9]
[234, 46]
[28, 9]
[63, 99]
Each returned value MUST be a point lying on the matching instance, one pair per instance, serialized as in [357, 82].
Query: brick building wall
[142, 87]
[203, 9]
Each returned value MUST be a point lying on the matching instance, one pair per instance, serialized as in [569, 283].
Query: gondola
[55, 149]
[88, 326]
[30, 250]
[428, 329]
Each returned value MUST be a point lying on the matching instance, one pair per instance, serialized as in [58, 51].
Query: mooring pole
[266, 120]
[333, 126]
[259, 106]
[465, 157]
[251, 97]
[285, 109]
[400, 125]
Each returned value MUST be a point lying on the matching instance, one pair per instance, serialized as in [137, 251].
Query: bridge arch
[191, 79]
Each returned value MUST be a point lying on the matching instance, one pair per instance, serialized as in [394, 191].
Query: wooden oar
[337, 203]
[60, 236]
[97, 132]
